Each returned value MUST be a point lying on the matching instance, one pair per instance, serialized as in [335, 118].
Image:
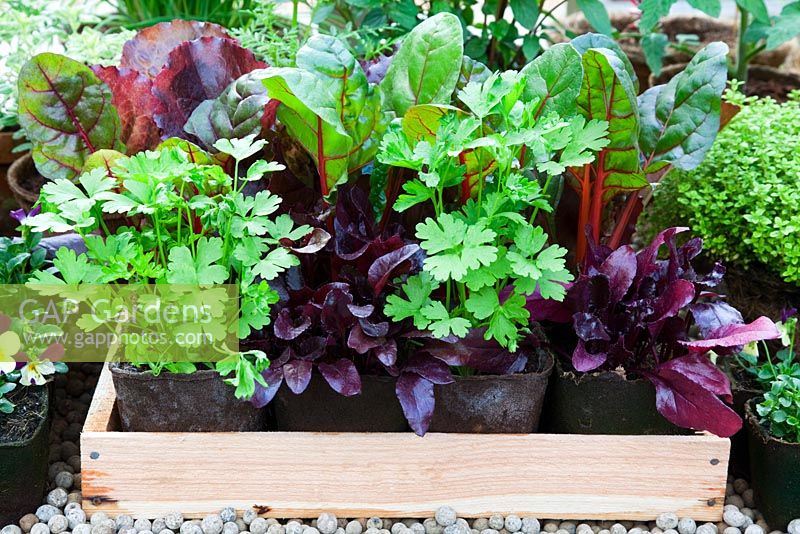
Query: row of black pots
[202, 402]
[24, 453]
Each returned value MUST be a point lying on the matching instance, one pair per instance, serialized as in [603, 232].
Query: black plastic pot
[739, 464]
[602, 403]
[23, 459]
[196, 402]
[494, 404]
[320, 409]
[775, 472]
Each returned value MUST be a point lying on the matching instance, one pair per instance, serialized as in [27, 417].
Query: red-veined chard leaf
[584, 42]
[67, 114]
[131, 94]
[236, 113]
[328, 106]
[680, 120]
[147, 52]
[197, 71]
[426, 68]
[554, 78]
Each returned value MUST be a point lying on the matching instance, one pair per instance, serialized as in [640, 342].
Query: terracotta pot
[775, 472]
[320, 409]
[602, 403]
[494, 404]
[23, 459]
[195, 402]
[761, 80]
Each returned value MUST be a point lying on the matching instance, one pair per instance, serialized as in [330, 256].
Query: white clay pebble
[75, 516]
[794, 527]
[40, 528]
[212, 524]
[11, 529]
[530, 525]
[733, 517]
[513, 523]
[327, 524]
[375, 522]
[667, 521]
[496, 522]
[84, 528]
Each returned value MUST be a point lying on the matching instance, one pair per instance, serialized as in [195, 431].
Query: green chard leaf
[607, 94]
[67, 114]
[427, 66]
[554, 79]
[680, 120]
[328, 106]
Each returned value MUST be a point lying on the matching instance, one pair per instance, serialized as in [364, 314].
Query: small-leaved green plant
[481, 173]
[779, 376]
[743, 200]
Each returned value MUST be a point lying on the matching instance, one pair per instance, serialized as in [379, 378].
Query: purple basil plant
[633, 311]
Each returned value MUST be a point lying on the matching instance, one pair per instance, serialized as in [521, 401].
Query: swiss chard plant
[189, 224]
[632, 311]
[758, 31]
[667, 126]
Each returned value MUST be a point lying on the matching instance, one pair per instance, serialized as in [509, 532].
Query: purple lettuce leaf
[147, 52]
[416, 398]
[710, 316]
[273, 376]
[131, 94]
[342, 376]
[297, 375]
[620, 268]
[196, 71]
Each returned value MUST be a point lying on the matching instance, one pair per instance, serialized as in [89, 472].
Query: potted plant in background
[773, 425]
[25, 368]
[194, 227]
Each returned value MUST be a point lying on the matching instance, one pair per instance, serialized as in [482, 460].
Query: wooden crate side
[399, 475]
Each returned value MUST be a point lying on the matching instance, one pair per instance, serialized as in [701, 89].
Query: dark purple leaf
[710, 316]
[374, 329]
[376, 68]
[589, 328]
[196, 71]
[584, 361]
[676, 297]
[387, 266]
[387, 353]
[687, 404]
[542, 309]
[361, 311]
[647, 258]
[342, 376]
[361, 342]
[147, 52]
[297, 374]
[699, 369]
[313, 242]
[735, 335]
[416, 398]
[620, 267]
[264, 395]
[429, 368]
[286, 329]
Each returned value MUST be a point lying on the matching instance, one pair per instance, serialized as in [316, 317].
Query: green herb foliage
[484, 253]
[743, 199]
[779, 376]
[189, 223]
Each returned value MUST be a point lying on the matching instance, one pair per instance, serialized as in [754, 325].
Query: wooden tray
[300, 474]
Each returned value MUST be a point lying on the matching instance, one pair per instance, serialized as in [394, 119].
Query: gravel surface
[61, 513]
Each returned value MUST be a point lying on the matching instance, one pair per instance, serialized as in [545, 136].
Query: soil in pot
[761, 80]
[758, 291]
[602, 403]
[23, 453]
[321, 409]
[494, 404]
[775, 472]
[196, 402]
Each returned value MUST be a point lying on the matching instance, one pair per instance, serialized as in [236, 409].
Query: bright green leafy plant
[779, 376]
[743, 199]
[190, 224]
[487, 255]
